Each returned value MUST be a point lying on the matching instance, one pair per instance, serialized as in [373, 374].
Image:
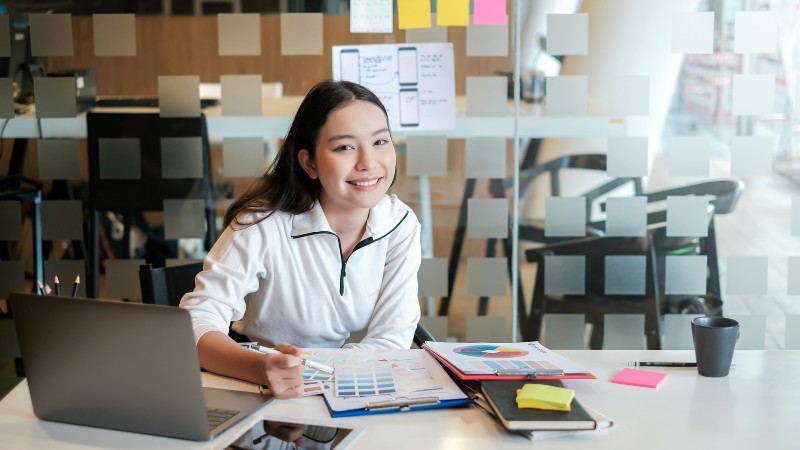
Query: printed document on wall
[371, 16]
[415, 82]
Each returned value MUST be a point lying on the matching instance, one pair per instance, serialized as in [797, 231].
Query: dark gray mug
[714, 341]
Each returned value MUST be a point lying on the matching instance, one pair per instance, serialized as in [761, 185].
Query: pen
[41, 287]
[75, 286]
[57, 286]
[271, 351]
[47, 289]
[661, 364]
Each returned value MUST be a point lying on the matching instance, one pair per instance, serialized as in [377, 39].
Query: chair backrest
[166, 285]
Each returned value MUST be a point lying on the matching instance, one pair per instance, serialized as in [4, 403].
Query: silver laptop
[124, 366]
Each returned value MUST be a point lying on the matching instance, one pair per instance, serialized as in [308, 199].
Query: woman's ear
[307, 164]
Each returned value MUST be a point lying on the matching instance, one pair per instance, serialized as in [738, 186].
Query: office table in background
[756, 406]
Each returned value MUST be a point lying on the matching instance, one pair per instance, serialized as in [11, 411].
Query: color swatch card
[641, 378]
[330, 358]
[366, 378]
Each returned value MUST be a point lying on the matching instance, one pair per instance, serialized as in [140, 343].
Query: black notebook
[502, 396]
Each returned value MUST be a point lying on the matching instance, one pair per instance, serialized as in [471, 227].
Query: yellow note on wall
[413, 14]
[452, 13]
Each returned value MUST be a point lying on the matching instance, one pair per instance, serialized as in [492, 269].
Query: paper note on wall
[452, 13]
[371, 16]
[414, 14]
[415, 82]
[489, 12]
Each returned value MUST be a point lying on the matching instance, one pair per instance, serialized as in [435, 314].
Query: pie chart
[490, 351]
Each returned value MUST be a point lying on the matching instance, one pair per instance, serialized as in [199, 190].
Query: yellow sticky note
[452, 13]
[552, 395]
[542, 405]
[413, 14]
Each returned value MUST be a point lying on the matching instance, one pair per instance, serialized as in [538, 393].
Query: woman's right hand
[284, 372]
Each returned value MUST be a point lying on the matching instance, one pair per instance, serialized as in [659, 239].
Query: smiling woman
[279, 270]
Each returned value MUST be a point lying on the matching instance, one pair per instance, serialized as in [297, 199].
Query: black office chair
[655, 246]
[130, 195]
[167, 285]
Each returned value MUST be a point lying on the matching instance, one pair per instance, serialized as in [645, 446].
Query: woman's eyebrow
[350, 136]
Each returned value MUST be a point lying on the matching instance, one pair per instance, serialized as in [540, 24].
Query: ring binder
[403, 404]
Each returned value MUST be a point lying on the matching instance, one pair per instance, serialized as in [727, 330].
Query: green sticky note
[551, 395]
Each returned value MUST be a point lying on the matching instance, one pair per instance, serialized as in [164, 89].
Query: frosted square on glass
[243, 157]
[564, 275]
[755, 32]
[114, 34]
[6, 98]
[486, 329]
[184, 218]
[122, 278]
[685, 275]
[432, 277]
[179, 95]
[120, 158]
[486, 277]
[51, 35]
[687, 216]
[753, 95]
[301, 33]
[426, 155]
[793, 274]
[677, 329]
[564, 331]
[792, 332]
[239, 34]
[241, 95]
[486, 96]
[629, 96]
[626, 216]
[67, 270]
[59, 159]
[487, 40]
[623, 332]
[747, 275]
[10, 221]
[55, 97]
[436, 325]
[626, 275]
[5, 36]
[568, 34]
[487, 218]
[627, 157]
[565, 216]
[435, 33]
[752, 331]
[566, 95]
[795, 219]
[12, 277]
[182, 157]
[485, 157]
[689, 156]
[693, 32]
[62, 219]
[751, 155]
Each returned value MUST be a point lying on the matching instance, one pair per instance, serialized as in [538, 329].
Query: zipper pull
[341, 277]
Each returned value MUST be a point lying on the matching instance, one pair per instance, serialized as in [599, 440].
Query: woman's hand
[284, 372]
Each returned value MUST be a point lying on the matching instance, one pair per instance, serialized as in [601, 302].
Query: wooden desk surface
[756, 406]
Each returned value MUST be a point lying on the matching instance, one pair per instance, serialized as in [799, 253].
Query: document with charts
[475, 361]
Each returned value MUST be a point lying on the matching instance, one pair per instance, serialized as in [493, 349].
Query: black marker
[661, 364]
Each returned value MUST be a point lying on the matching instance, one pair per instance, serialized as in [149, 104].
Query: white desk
[756, 407]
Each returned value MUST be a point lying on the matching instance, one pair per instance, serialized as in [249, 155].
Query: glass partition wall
[649, 95]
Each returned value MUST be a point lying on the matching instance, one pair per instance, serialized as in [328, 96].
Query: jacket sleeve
[231, 270]
[397, 310]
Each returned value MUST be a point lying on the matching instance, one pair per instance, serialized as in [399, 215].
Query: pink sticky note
[641, 378]
[489, 12]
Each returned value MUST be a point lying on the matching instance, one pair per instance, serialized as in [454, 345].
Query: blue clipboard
[400, 404]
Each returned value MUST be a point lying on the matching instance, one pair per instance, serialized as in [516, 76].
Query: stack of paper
[542, 396]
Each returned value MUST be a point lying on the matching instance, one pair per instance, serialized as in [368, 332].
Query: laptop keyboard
[217, 416]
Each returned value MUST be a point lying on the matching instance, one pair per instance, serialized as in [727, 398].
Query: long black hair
[285, 186]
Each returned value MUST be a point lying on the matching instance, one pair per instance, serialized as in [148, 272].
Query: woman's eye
[381, 142]
[344, 147]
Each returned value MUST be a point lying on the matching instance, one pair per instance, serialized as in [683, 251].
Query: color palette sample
[492, 366]
[367, 378]
[490, 351]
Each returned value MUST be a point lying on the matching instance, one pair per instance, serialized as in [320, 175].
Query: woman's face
[355, 158]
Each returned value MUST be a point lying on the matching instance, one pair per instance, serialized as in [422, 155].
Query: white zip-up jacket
[284, 280]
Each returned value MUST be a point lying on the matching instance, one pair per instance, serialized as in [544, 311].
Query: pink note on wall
[489, 12]
[641, 378]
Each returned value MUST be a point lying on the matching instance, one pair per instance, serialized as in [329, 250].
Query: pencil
[41, 287]
[47, 289]
[57, 286]
[75, 286]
